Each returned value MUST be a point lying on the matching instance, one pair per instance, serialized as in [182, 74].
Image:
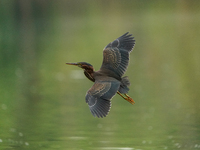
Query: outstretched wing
[99, 96]
[116, 54]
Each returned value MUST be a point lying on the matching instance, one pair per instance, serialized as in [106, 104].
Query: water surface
[42, 100]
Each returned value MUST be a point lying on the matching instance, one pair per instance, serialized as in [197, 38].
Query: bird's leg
[128, 98]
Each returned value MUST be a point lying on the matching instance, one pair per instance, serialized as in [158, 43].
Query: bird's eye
[79, 65]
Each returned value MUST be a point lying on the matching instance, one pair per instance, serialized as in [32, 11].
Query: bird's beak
[75, 64]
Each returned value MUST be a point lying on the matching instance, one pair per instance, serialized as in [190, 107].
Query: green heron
[108, 80]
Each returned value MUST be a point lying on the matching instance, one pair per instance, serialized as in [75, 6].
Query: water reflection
[115, 148]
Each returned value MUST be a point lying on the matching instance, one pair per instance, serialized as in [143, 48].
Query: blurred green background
[42, 100]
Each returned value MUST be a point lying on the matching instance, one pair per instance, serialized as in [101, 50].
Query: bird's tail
[124, 85]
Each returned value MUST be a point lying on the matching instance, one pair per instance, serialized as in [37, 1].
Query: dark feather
[116, 55]
[124, 85]
[100, 94]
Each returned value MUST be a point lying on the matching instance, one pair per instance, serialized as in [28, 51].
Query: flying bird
[109, 80]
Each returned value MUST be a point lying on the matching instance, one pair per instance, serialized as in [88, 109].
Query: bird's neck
[89, 73]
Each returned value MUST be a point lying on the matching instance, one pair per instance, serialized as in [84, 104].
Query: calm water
[42, 100]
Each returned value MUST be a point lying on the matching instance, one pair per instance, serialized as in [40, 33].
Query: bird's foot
[129, 99]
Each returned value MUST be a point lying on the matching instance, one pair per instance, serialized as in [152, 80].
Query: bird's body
[108, 79]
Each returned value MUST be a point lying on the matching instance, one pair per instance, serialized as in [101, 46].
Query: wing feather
[116, 54]
[99, 96]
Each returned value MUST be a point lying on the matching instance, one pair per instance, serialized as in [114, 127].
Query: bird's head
[83, 65]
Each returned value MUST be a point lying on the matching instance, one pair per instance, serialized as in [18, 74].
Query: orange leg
[128, 98]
